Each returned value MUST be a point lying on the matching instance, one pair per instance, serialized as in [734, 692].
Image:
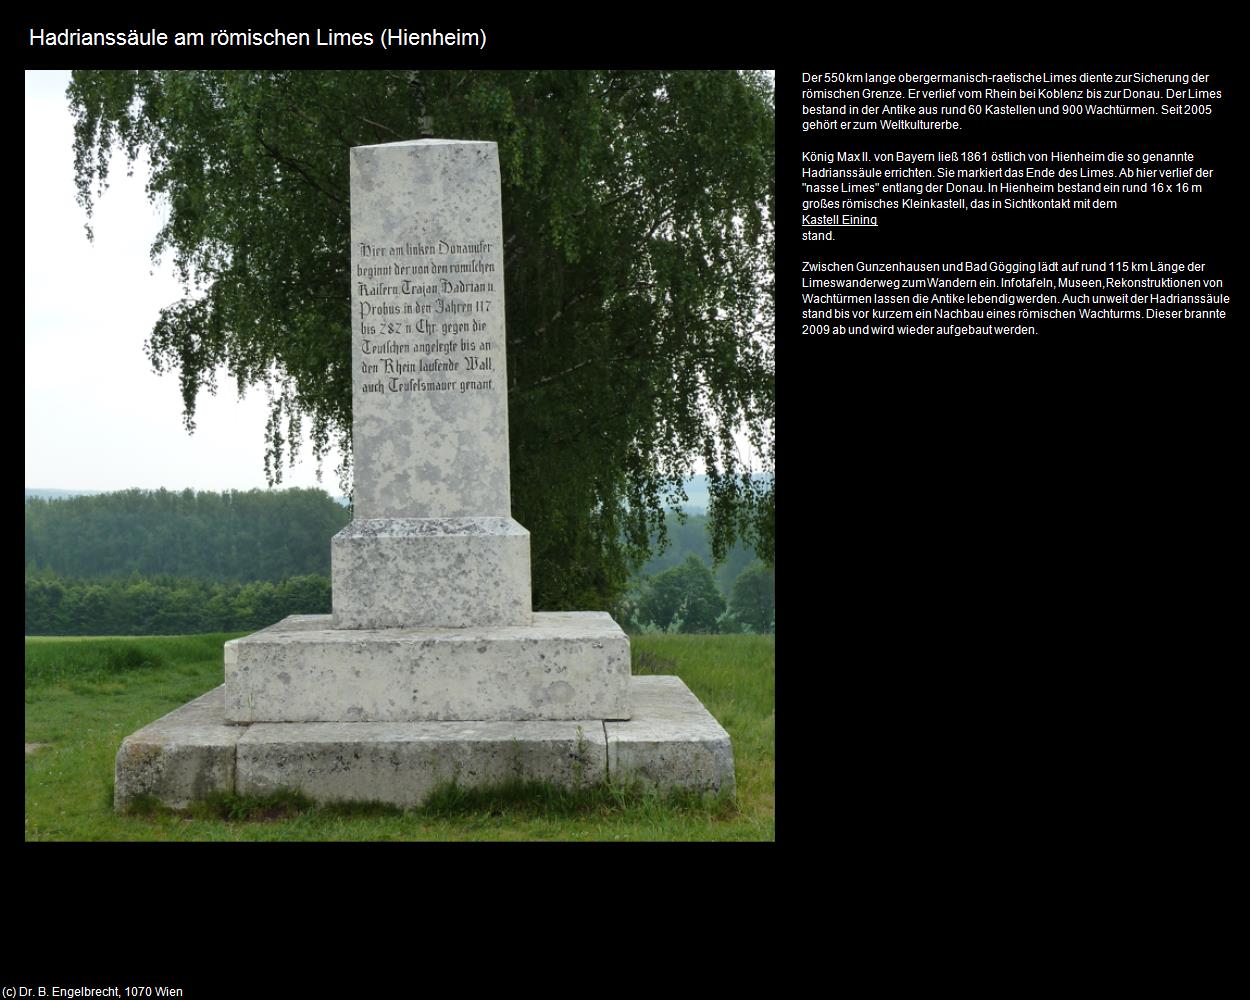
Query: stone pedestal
[432, 667]
[672, 742]
[451, 572]
[566, 665]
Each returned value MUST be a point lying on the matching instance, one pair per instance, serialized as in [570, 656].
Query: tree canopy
[754, 598]
[685, 594]
[638, 213]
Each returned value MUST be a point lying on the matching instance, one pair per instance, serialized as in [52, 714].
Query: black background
[968, 536]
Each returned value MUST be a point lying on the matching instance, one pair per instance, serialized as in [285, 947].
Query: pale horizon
[97, 416]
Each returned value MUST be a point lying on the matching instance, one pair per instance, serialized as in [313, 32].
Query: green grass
[34, 640]
[84, 696]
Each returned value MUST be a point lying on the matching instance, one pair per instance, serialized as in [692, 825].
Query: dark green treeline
[223, 537]
[169, 563]
[166, 605]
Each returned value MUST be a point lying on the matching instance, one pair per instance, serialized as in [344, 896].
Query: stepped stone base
[672, 741]
[567, 665]
[441, 572]
[402, 762]
[181, 757]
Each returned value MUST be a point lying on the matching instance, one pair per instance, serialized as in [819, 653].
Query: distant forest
[691, 539]
[222, 537]
[167, 605]
[150, 563]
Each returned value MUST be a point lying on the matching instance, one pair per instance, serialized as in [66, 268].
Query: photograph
[400, 457]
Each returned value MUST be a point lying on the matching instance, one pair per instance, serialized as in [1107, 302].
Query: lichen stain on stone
[560, 691]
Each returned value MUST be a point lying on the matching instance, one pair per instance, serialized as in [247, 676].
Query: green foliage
[164, 563]
[688, 535]
[233, 536]
[451, 801]
[638, 223]
[754, 598]
[281, 804]
[533, 798]
[166, 605]
[682, 599]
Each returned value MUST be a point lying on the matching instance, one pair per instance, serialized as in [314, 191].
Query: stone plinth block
[401, 763]
[566, 665]
[671, 741]
[179, 758]
[449, 572]
[429, 362]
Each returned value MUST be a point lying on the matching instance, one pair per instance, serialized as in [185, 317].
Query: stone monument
[433, 666]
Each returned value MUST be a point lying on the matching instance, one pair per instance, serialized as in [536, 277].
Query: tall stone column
[433, 542]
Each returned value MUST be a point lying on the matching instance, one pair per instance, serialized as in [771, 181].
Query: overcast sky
[97, 416]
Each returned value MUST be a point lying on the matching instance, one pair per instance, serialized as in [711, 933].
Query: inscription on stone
[423, 311]
[430, 408]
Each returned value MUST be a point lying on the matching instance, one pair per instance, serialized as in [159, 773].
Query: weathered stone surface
[566, 665]
[671, 741]
[443, 572]
[180, 757]
[430, 398]
[402, 763]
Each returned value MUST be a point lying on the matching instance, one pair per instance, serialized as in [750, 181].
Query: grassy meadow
[85, 695]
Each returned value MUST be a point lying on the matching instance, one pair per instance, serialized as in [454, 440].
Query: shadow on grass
[520, 799]
[536, 799]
